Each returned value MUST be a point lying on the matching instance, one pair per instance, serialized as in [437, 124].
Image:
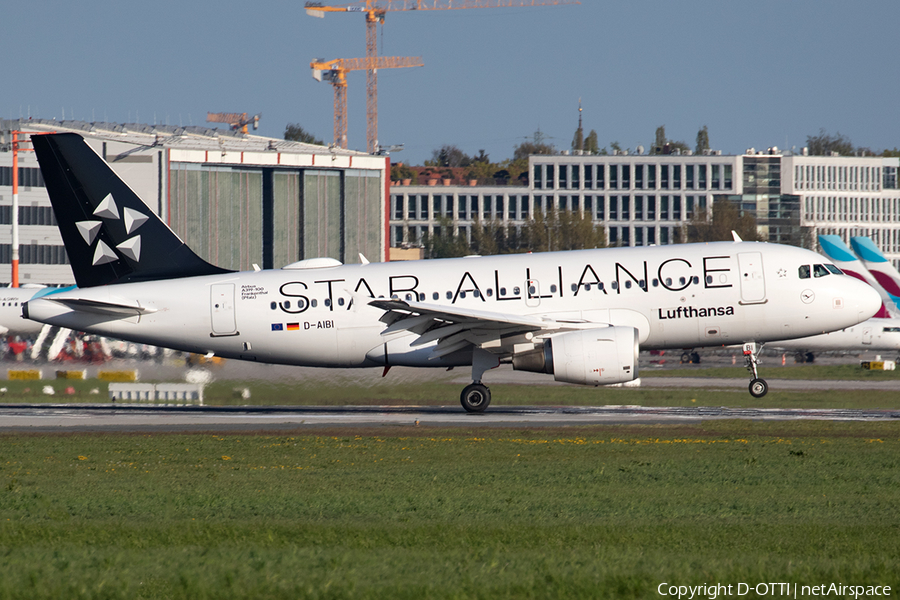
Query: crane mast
[375, 11]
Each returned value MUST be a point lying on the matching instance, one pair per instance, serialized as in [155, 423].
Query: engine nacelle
[590, 357]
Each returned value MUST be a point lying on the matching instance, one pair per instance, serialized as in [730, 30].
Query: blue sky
[757, 74]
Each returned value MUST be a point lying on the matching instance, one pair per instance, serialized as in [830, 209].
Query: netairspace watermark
[787, 590]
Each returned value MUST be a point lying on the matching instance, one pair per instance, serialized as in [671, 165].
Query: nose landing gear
[758, 386]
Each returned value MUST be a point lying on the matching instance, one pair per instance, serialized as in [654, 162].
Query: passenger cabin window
[803, 271]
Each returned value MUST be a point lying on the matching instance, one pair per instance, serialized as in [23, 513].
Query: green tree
[527, 148]
[578, 139]
[717, 227]
[663, 145]
[591, 145]
[702, 140]
[448, 156]
[824, 144]
[562, 230]
[294, 132]
[443, 243]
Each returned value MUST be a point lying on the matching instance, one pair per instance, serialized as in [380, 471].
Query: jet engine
[589, 357]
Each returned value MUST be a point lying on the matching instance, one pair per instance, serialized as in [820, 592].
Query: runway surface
[123, 418]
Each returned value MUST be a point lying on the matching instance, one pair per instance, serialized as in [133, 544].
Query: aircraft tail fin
[110, 235]
[834, 248]
[880, 267]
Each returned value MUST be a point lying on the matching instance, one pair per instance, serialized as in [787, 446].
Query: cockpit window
[891, 329]
[820, 271]
[804, 271]
[834, 269]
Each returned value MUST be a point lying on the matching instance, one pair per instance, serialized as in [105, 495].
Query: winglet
[736, 237]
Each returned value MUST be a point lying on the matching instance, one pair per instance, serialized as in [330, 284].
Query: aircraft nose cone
[868, 301]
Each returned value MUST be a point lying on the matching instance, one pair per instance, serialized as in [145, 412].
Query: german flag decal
[293, 326]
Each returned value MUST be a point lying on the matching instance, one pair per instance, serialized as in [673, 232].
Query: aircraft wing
[455, 328]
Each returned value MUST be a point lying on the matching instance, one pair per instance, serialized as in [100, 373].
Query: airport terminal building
[237, 200]
[647, 199]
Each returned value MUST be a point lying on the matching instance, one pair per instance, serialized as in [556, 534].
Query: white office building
[647, 199]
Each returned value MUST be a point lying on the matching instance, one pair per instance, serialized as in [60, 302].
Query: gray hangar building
[237, 200]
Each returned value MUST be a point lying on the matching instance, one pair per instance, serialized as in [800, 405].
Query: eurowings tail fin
[110, 235]
[834, 248]
[878, 265]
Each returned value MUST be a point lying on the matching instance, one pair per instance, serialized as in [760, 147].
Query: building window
[576, 177]
[651, 208]
[639, 177]
[676, 208]
[651, 177]
[638, 237]
[651, 236]
[676, 177]
[701, 169]
[689, 207]
[588, 176]
[601, 171]
[411, 209]
[538, 176]
[626, 201]
[638, 208]
[525, 212]
[728, 176]
[563, 177]
[613, 177]
[513, 201]
[601, 205]
[398, 208]
[715, 176]
[664, 235]
[626, 177]
[462, 213]
[550, 184]
[689, 176]
[423, 208]
[613, 208]
[663, 208]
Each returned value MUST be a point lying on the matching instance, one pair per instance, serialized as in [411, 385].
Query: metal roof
[194, 137]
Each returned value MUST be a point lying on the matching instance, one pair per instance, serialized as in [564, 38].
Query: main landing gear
[758, 387]
[476, 397]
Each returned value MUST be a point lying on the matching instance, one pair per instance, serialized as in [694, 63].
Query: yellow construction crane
[335, 72]
[236, 120]
[375, 11]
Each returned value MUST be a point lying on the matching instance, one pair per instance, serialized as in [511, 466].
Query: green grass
[603, 512]
[340, 392]
[769, 370]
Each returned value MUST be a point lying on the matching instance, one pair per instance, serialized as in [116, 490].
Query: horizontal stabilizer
[103, 308]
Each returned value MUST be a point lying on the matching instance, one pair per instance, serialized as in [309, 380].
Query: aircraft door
[867, 336]
[221, 305]
[753, 284]
[532, 293]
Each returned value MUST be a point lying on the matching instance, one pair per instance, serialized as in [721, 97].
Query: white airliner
[877, 335]
[11, 320]
[580, 316]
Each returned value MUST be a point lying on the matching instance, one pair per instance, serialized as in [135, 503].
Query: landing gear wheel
[475, 398]
[695, 358]
[758, 388]
[686, 358]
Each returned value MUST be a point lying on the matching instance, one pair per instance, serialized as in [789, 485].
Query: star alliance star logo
[107, 209]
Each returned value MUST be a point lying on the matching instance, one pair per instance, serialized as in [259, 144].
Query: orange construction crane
[375, 11]
[236, 120]
[335, 72]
